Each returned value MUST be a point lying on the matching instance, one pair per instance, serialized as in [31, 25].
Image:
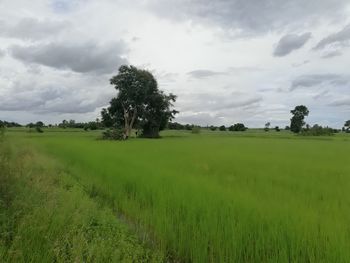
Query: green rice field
[211, 197]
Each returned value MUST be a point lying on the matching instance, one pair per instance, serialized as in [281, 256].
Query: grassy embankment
[46, 215]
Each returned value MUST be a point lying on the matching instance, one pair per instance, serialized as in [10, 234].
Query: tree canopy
[237, 127]
[139, 103]
[297, 121]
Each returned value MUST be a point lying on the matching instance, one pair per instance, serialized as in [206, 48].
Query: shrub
[39, 129]
[196, 130]
[317, 130]
[212, 128]
[277, 129]
[113, 134]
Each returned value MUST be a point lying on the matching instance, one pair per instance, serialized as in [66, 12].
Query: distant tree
[64, 124]
[222, 128]
[39, 124]
[175, 126]
[277, 129]
[212, 128]
[30, 125]
[7, 124]
[347, 126]
[237, 127]
[267, 126]
[287, 128]
[71, 124]
[188, 127]
[139, 102]
[297, 121]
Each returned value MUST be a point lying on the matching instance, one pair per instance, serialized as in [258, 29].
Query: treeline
[92, 125]
[9, 124]
[190, 127]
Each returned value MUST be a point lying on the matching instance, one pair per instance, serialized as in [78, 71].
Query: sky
[228, 61]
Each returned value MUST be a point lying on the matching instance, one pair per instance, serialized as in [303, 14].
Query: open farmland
[215, 196]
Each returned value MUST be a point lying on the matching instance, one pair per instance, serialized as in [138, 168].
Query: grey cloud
[296, 65]
[201, 102]
[203, 73]
[2, 53]
[289, 43]
[254, 16]
[319, 79]
[340, 102]
[32, 28]
[82, 58]
[51, 99]
[341, 38]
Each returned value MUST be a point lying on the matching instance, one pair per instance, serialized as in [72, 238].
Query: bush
[196, 130]
[113, 134]
[38, 129]
[212, 128]
[277, 129]
[317, 130]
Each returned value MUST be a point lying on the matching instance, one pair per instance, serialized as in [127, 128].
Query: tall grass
[222, 197]
[46, 216]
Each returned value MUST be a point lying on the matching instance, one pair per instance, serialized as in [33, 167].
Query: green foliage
[297, 121]
[196, 130]
[139, 103]
[267, 126]
[39, 129]
[113, 134]
[39, 124]
[277, 129]
[176, 126]
[347, 126]
[238, 127]
[222, 128]
[318, 130]
[213, 128]
[9, 124]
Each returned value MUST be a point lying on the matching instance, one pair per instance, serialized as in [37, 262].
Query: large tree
[139, 103]
[297, 121]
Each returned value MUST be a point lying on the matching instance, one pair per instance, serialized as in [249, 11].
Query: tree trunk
[128, 122]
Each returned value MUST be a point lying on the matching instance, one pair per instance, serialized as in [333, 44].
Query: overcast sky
[228, 61]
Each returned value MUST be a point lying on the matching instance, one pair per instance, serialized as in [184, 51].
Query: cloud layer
[83, 58]
[222, 58]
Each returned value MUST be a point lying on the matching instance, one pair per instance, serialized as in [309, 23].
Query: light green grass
[220, 196]
[46, 215]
